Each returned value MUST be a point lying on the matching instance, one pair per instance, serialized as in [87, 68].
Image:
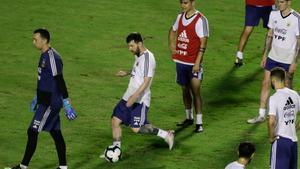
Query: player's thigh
[252, 16]
[39, 118]
[182, 74]
[139, 115]
[265, 15]
[121, 112]
[196, 85]
[294, 158]
[280, 154]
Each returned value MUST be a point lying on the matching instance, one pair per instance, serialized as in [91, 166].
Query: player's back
[235, 165]
[286, 106]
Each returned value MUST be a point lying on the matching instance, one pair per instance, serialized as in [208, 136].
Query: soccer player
[282, 48]
[187, 42]
[283, 108]
[51, 95]
[246, 153]
[132, 109]
[255, 10]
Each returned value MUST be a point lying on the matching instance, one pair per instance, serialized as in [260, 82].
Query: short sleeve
[272, 106]
[202, 28]
[175, 25]
[270, 23]
[149, 65]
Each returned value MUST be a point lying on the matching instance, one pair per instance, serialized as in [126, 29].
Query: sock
[262, 112]
[239, 54]
[63, 167]
[189, 114]
[117, 143]
[30, 147]
[162, 133]
[199, 118]
[23, 166]
[60, 146]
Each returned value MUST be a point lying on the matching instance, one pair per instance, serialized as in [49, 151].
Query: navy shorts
[270, 64]
[255, 13]
[134, 116]
[284, 154]
[46, 118]
[184, 74]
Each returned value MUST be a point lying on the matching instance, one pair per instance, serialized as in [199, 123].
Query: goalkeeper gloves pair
[69, 111]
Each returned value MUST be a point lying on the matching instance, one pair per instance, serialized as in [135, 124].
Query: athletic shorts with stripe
[284, 154]
[134, 116]
[184, 74]
[46, 118]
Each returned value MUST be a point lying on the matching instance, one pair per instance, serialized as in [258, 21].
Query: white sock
[23, 166]
[63, 167]
[262, 112]
[239, 54]
[117, 143]
[162, 133]
[189, 114]
[199, 118]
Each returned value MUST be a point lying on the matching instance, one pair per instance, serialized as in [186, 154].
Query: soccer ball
[112, 153]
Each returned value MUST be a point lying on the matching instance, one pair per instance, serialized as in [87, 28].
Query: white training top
[144, 66]
[285, 32]
[235, 165]
[284, 104]
[202, 28]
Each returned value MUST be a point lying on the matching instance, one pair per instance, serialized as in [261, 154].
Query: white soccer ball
[113, 153]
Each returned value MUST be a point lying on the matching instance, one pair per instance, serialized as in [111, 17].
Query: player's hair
[278, 73]
[135, 36]
[44, 33]
[246, 149]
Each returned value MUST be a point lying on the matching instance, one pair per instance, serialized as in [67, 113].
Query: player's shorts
[255, 13]
[46, 118]
[284, 154]
[270, 64]
[184, 74]
[134, 116]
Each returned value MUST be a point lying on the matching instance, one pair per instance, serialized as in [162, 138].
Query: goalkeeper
[51, 95]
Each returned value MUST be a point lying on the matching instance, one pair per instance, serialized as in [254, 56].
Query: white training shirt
[285, 32]
[235, 165]
[144, 66]
[202, 28]
[284, 104]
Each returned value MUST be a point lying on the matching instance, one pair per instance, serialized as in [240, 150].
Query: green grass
[90, 35]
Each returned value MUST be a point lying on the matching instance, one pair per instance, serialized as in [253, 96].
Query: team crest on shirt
[288, 24]
[43, 63]
[137, 64]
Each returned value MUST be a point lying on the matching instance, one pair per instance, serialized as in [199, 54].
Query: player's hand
[263, 62]
[33, 104]
[131, 100]
[122, 73]
[196, 68]
[69, 111]
[292, 68]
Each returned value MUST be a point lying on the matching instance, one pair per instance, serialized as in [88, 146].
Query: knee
[32, 133]
[115, 122]
[135, 130]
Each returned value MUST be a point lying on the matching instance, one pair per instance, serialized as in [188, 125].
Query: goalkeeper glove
[33, 105]
[69, 111]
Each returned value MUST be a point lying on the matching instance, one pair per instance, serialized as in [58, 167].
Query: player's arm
[57, 68]
[139, 91]
[272, 119]
[123, 73]
[293, 66]
[172, 40]
[196, 67]
[271, 128]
